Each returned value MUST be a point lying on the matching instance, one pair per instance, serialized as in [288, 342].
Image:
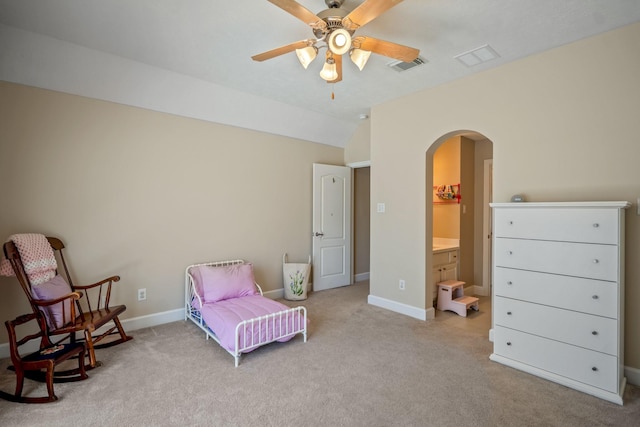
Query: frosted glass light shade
[329, 72]
[360, 57]
[306, 55]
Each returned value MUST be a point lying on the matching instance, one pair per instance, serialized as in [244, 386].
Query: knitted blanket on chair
[37, 258]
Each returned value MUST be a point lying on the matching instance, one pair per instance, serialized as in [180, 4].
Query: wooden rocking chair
[86, 309]
[47, 357]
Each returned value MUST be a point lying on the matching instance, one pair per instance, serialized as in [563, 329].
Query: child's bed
[224, 300]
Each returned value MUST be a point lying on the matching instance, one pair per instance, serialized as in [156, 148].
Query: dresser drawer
[584, 330]
[574, 293]
[563, 224]
[579, 364]
[572, 259]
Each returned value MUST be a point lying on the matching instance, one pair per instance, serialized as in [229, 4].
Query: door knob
[318, 234]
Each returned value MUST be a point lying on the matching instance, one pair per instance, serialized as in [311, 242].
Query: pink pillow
[54, 288]
[196, 274]
[220, 283]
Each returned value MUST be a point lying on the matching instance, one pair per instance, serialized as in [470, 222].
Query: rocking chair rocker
[80, 311]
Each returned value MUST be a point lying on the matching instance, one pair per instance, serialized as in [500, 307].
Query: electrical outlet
[142, 294]
[401, 285]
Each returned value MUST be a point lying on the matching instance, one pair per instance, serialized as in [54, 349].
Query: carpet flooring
[361, 366]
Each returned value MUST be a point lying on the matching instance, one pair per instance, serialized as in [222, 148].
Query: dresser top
[618, 205]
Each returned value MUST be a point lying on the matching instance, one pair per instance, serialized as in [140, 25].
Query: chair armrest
[98, 301]
[102, 282]
[47, 302]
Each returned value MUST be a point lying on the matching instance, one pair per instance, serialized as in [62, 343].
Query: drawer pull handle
[594, 369]
[596, 225]
[510, 222]
[509, 283]
[508, 342]
[595, 297]
[508, 313]
[594, 332]
[509, 253]
[595, 261]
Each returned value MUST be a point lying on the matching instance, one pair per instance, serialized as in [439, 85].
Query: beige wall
[144, 194]
[358, 148]
[361, 219]
[446, 170]
[564, 127]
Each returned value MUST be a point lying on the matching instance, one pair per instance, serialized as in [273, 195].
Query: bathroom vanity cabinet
[445, 267]
[558, 293]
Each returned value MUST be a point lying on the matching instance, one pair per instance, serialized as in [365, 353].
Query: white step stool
[451, 297]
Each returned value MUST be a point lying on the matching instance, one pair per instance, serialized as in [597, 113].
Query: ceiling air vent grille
[404, 66]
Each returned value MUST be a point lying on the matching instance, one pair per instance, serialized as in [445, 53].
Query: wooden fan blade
[338, 59]
[282, 50]
[300, 12]
[366, 12]
[382, 47]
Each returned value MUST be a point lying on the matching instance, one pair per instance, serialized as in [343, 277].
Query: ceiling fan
[334, 29]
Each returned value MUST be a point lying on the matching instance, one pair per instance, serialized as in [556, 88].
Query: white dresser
[558, 293]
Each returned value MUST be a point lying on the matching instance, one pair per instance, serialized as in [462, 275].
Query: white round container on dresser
[558, 293]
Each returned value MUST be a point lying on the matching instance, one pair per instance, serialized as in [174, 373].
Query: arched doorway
[464, 159]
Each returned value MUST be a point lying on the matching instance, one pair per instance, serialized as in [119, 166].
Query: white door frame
[487, 228]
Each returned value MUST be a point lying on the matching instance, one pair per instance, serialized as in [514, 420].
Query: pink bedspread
[222, 318]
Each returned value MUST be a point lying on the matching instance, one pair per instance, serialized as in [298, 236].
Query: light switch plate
[381, 207]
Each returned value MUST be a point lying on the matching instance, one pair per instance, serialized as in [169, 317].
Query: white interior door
[331, 226]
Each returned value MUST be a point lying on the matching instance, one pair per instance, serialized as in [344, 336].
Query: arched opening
[459, 186]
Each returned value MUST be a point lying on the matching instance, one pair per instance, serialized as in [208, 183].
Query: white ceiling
[213, 41]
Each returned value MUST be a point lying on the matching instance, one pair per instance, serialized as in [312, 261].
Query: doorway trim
[487, 228]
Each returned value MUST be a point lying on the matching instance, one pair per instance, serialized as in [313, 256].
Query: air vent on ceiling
[477, 56]
[404, 66]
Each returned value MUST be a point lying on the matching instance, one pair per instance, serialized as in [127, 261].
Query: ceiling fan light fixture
[329, 71]
[339, 41]
[306, 55]
[360, 57]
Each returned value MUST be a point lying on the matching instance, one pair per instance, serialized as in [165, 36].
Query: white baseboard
[149, 320]
[480, 291]
[633, 375]
[398, 307]
[132, 324]
[275, 294]
[360, 277]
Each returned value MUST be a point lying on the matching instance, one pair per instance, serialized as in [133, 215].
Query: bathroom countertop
[444, 248]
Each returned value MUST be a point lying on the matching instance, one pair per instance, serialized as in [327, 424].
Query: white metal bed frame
[291, 322]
